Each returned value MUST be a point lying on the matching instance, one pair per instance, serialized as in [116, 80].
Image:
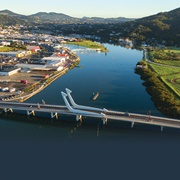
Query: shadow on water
[66, 129]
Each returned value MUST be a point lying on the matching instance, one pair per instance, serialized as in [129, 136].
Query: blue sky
[92, 8]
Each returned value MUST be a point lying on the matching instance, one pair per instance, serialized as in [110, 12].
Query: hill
[60, 18]
[9, 21]
[100, 20]
[44, 17]
[164, 27]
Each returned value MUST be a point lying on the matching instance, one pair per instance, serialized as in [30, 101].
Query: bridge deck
[108, 115]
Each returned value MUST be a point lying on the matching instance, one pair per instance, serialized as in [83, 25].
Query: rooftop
[8, 69]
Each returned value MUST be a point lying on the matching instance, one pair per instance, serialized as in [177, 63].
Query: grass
[90, 44]
[168, 56]
[173, 49]
[162, 70]
[170, 63]
[7, 49]
[168, 75]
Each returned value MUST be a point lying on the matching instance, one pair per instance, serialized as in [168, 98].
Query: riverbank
[45, 83]
[167, 71]
[90, 44]
[161, 82]
[35, 88]
[42, 86]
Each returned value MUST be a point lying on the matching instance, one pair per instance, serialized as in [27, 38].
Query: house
[5, 43]
[33, 48]
[63, 41]
[22, 53]
[139, 66]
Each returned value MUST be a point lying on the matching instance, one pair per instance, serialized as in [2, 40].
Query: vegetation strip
[161, 82]
[90, 44]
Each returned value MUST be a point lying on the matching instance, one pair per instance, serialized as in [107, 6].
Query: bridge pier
[54, 115]
[31, 112]
[132, 124]
[104, 121]
[8, 110]
[78, 117]
[162, 127]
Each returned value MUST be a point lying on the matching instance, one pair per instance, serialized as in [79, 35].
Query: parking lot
[15, 81]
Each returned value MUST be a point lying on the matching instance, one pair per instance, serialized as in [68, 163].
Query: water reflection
[112, 75]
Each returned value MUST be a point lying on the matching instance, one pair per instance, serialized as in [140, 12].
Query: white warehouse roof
[54, 58]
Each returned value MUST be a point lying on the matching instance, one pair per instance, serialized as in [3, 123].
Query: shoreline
[90, 44]
[47, 82]
[164, 96]
[22, 99]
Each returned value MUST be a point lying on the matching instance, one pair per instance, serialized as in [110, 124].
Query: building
[38, 67]
[5, 43]
[4, 71]
[33, 48]
[53, 60]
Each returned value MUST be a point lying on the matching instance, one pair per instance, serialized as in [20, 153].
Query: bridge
[81, 111]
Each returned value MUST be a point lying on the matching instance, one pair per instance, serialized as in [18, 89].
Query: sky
[91, 8]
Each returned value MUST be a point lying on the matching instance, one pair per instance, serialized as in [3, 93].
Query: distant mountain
[60, 18]
[52, 17]
[19, 17]
[8, 20]
[10, 13]
[162, 27]
[106, 20]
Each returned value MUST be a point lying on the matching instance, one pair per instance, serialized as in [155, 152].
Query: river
[41, 148]
[112, 75]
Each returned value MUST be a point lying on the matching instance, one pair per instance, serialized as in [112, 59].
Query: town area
[29, 63]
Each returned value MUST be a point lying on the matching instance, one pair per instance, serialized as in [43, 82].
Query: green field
[170, 76]
[168, 56]
[173, 49]
[90, 44]
[170, 63]
[8, 49]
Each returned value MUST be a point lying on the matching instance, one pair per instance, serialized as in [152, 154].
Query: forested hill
[9, 21]
[60, 18]
[164, 27]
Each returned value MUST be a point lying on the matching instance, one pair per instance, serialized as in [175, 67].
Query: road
[108, 115]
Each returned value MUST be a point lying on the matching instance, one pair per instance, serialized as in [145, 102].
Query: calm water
[112, 75]
[40, 148]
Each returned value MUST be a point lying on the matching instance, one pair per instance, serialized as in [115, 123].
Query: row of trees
[16, 45]
[161, 54]
[164, 100]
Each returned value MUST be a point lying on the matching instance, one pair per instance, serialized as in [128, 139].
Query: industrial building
[38, 67]
[4, 71]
